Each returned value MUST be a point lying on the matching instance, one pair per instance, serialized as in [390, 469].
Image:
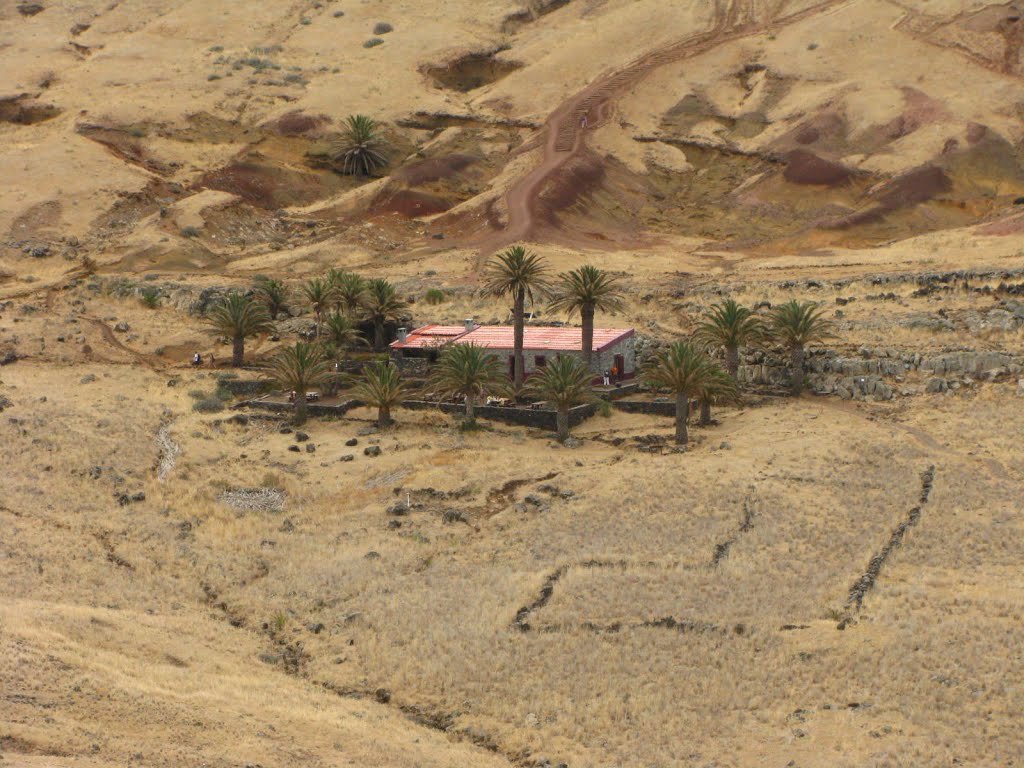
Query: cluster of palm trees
[340, 300]
[525, 276]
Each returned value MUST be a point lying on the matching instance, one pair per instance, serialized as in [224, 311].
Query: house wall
[600, 362]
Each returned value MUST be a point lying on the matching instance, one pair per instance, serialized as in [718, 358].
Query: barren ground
[610, 604]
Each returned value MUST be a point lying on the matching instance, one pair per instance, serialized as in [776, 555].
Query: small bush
[373, 42]
[150, 298]
[338, 14]
[137, 133]
[435, 296]
[295, 78]
[190, 231]
[604, 408]
[197, 394]
[216, 48]
[208, 405]
[223, 394]
[382, 28]
[305, 22]
[214, 76]
[812, 47]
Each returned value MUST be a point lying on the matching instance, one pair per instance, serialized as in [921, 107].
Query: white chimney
[403, 334]
[470, 325]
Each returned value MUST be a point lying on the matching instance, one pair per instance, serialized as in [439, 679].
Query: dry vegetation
[178, 587]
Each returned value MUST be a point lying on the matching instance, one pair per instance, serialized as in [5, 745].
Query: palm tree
[359, 150]
[383, 305]
[521, 274]
[349, 290]
[381, 387]
[732, 326]
[319, 296]
[239, 316]
[796, 324]
[340, 332]
[298, 369]
[273, 294]
[684, 370]
[470, 371]
[565, 382]
[719, 388]
[586, 290]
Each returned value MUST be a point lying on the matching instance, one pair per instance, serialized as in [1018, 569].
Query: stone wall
[540, 418]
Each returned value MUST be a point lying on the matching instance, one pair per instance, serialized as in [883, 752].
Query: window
[540, 361]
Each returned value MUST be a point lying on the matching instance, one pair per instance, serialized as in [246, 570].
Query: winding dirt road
[565, 130]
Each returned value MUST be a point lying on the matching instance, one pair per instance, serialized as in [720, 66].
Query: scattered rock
[371, 450]
[351, 442]
[450, 516]
[382, 695]
[294, 448]
[87, 379]
[8, 357]
[285, 430]
[122, 327]
[30, 9]
[347, 457]
[398, 510]
[310, 448]
[936, 386]
[301, 437]
[394, 525]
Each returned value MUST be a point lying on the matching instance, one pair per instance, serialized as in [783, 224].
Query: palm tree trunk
[519, 321]
[562, 423]
[682, 414]
[470, 403]
[237, 351]
[587, 315]
[732, 361]
[378, 336]
[319, 322]
[383, 416]
[705, 412]
[796, 383]
[300, 407]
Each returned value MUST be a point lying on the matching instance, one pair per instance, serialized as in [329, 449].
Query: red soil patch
[828, 128]
[265, 186]
[976, 132]
[569, 184]
[803, 167]
[410, 204]
[1011, 225]
[297, 123]
[913, 187]
[433, 169]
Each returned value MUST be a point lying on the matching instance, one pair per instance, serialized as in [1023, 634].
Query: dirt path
[108, 336]
[566, 128]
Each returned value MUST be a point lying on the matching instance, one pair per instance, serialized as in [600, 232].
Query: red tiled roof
[430, 336]
[565, 339]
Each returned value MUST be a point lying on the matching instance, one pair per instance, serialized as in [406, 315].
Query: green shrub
[305, 22]
[373, 42]
[382, 28]
[216, 48]
[214, 76]
[435, 296]
[338, 14]
[208, 405]
[604, 408]
[190, 231]
[150, 298]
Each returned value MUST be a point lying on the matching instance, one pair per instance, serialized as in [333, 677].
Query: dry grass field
[829, 580]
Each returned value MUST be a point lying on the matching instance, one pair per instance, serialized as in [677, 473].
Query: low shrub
[435, 296]
[190, 231]
[373, 42]
[382, 28]
[208, 405]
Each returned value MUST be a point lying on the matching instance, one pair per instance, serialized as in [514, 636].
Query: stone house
[613, 347]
